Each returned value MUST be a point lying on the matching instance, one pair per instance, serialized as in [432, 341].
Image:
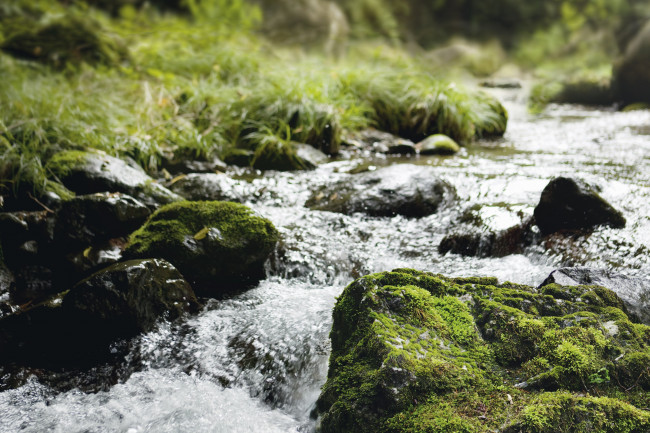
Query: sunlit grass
[197, 90]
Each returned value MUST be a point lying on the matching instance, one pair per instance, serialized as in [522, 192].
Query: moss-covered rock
[217, 245]
[93, 172]
[417, 352]
[68, 40]
[438, 144]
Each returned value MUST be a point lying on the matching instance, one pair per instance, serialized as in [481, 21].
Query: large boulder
[634, 291]
[92, 172]
[130, 297]
[632, 71]
[490, 231]
[413, 351]
[403, 189]
[216, 245]
[571, 204]
[76, 328]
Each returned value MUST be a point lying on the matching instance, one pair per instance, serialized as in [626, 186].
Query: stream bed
[255, 362]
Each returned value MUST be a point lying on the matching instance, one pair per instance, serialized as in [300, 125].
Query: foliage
[200, 84]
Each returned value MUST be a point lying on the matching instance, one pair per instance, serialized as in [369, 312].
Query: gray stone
[403, 189]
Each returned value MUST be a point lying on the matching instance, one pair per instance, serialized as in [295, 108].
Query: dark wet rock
[438, 144]
[632, 71]
[379, 141]
[211, 186]
[32, 282]
[93, 258]
[570, 204]
[216, 245]
[185, 166]
[413, 351]
[6, 279]
[403, 148]
[130, 297]
[490, 231]
[78, 327]
[23, 233]
[89, 219]
[634, 291]
[403, 189]
[239, 157]
[502, 83]
[88, 173]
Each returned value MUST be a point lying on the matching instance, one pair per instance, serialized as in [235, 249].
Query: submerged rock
[635, 292]
[216, 245]
[413, 351]
[570, 204]
[403, 189]
[89, 219]
[438, 144]
[89, 172]
[211, 186]
[490, 231]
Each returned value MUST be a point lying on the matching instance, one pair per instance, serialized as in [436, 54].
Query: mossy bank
[417, 352]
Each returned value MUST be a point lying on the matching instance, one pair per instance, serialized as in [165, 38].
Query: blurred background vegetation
[154, 79]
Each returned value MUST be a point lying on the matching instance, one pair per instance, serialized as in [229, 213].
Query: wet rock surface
[77, 327]
[634, 291]
[490, 231]
[572, 204]
[408, 190]
[89, 219]
[186, 166]
[211, 186]
[411, 351]
[377, 141]
[129, 297]
[216, 245]
[88, 173]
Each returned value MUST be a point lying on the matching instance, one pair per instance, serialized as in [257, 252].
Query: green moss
[562, 412]
[417, 352]
[209, 242]
[62, 163]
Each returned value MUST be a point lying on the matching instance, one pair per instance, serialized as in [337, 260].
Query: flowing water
[255, 362]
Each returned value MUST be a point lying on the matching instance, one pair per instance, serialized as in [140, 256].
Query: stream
[255, 362]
